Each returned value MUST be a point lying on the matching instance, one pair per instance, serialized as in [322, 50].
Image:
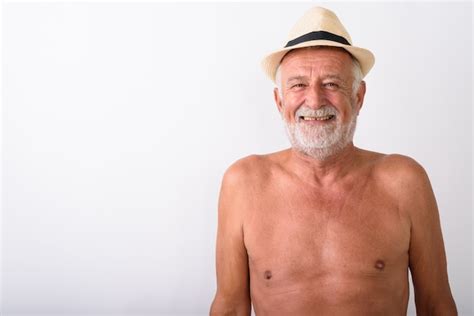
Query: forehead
[320, 60]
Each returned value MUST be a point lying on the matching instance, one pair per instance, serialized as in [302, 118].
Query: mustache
[323, 111]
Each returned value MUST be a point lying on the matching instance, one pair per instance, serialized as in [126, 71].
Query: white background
[119, 120]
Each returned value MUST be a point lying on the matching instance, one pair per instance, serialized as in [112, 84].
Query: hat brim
[365, 57]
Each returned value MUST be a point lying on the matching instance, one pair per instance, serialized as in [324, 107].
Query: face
[317, 102]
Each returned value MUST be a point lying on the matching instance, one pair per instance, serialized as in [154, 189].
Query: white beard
[321, 142]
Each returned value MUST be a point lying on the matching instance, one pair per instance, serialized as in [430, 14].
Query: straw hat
[318, 27]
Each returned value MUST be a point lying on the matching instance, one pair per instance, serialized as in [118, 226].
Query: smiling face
[317, 101]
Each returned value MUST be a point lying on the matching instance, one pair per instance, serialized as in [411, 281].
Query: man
[326, 228]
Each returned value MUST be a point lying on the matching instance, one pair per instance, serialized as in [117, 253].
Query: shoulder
[253, 169]
[401, 171]
[406, 180]
[244, 178]
[245, 169]
[401, 177]
[394, 169]
[242, 185]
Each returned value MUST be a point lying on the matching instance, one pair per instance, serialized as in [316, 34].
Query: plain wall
[119, 120]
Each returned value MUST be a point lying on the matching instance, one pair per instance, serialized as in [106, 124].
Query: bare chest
[295, 236]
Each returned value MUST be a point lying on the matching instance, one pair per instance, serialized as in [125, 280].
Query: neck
[325, 172]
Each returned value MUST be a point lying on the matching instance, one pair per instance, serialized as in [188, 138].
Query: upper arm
[427, 257]
[233, 294]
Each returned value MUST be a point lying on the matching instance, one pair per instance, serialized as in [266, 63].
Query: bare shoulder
[407, 182]
[242, 185]
[401, 171]
[252, 170]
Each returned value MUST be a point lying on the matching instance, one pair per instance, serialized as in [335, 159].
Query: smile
[319, 118]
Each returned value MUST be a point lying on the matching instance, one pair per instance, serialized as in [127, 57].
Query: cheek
[289, 112]
[295, 99]
[343, 105]
[291, 104]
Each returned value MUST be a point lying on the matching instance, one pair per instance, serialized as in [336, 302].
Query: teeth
[322, 118]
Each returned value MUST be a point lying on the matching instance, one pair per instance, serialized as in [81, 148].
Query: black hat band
[318, 35]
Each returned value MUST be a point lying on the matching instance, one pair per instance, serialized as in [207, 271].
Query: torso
[334, 251]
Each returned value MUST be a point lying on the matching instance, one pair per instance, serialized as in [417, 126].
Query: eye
[331, 85]
[298, 85]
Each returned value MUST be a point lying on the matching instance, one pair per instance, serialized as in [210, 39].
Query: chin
[321, 144]
[322, 153]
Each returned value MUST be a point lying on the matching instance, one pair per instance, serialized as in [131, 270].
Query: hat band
[318, 35]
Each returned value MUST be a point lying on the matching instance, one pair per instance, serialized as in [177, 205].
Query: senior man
[326, 228]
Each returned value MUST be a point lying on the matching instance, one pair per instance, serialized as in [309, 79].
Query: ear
[276, 96]
[359, 98]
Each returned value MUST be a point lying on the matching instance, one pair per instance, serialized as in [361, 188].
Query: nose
[315, 97]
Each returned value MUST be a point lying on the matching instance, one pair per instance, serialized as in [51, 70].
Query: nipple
[267, 275]
[379, 265]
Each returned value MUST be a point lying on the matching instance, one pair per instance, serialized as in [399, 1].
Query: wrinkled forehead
[335, 58]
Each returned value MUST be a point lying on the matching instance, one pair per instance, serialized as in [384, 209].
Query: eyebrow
[330, 76]
[296, 78]
[333, 77]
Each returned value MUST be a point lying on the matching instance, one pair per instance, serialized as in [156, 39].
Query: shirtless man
[326, 228]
